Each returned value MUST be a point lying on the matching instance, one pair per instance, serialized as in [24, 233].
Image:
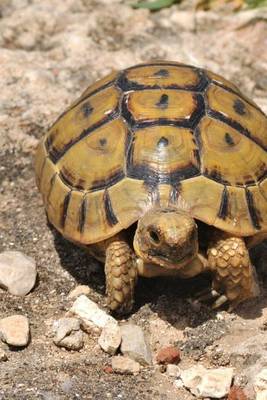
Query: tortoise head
[166, 237]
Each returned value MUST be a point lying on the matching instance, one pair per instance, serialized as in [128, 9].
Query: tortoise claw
[219, 302]
[207, 295]
[211, 295]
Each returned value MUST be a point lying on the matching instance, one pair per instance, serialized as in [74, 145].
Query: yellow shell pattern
[159, 134]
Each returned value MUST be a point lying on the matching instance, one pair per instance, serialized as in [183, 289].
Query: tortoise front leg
[121, 276]
[233, 274]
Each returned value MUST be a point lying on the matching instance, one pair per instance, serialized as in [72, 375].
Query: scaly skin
[121, 274]
[229, 261]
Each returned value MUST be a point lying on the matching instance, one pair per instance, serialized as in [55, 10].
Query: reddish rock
[108, 369]
[236, 393]
[168, 355]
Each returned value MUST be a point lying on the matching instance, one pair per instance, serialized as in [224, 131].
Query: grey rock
[68, 334]
[204, 382]
[17, 272]
[134, 344]
[110, 338]
[15, 330]
[124, 365]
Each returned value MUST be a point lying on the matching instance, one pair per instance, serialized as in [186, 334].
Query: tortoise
[150, 158]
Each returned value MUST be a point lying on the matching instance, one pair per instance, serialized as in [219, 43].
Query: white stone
[173, 370]
[68, 333]
[15, 330]
[124, 365]
[204, 382]
[178, 383]
[90, 313]
[260, 385]
[17, 272]
[110, 338]
[135, 345]
[78, 291]
[262, 395]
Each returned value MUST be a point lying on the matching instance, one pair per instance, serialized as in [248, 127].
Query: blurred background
[52, 50]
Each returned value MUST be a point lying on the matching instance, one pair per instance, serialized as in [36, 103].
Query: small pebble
[178, 383]
[110, 338]
[15, 330]
[168, 355]
[124, 365]
[173, 371]
[108, 369]
[3, 355]
[236, 393]
[202, 382]
[134, 344]
[90, 314]
[78, 291]
[68, 334]
[17, 272]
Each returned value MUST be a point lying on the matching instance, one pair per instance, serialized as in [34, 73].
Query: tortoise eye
[154, 236]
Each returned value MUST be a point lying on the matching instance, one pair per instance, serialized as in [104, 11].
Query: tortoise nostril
[154, 236]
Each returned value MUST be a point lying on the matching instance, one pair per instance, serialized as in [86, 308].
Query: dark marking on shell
[108, 182]
[216, 175]
[163, 102]
[223, 211]
[175, 193]
[190, 122]
[239, 94]
[126, 85]
[103, 142]
[160, 63]
[55, 155]
[239, 107]
[162, 73]
[155, 177]
[82, 98]
[69, 180]
[82, 214]
[65, 179]
[39, 178]
[253, 212]
[128, 143]
[229, 140]
[126, 114]
[237, 126]
[110, 215]
[163, 142]
[52, 182]
[197, 157]
[65, 209]
[86, 109]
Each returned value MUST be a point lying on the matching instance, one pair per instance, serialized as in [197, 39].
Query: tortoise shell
[158, 134]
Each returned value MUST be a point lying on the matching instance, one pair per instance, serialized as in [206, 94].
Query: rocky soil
[50, 51]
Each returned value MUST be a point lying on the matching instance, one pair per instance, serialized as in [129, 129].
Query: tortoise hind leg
[121, 276]
[233, 273]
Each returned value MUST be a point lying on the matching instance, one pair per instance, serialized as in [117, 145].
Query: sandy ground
[49, 52]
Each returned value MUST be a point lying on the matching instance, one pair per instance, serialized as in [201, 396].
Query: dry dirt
[49, 52]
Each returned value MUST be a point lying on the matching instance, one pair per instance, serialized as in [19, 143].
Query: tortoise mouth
[172, 261]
